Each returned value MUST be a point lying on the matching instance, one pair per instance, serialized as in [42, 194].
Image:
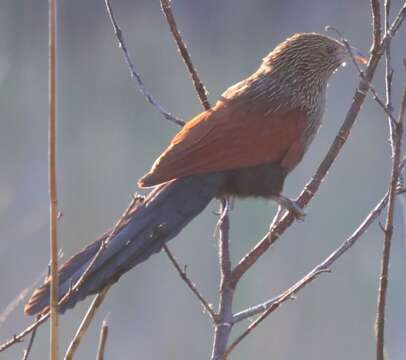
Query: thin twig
[388, 228]
[182, 273]
[396, 133]
[371, 88]
[393, 29]
[91, 312]
[200, 89]
[33, 334]
[52, 182]
[376, 23]
[30, 342]
[104, 332]
[256, 309]
[223, 326]
[134, 73]
[323, 267]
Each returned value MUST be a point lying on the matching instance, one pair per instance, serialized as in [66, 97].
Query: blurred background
[109, 136]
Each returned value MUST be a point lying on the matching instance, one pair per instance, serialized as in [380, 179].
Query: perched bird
[244, 146]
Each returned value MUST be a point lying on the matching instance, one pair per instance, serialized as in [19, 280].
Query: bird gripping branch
[244, 146]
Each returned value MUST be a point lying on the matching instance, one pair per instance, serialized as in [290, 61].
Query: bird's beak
[358, 56]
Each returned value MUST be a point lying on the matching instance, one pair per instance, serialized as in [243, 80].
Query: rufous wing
[230, 135]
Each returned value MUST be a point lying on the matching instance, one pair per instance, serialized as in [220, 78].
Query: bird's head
[310, 54]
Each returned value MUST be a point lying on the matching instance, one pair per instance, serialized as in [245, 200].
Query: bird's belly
[255, 181]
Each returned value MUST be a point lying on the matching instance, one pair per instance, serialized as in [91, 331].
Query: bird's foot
[291, 206]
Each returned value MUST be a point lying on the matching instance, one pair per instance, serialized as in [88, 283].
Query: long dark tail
[163, 214]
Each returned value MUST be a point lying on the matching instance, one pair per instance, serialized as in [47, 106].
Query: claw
[290, 205]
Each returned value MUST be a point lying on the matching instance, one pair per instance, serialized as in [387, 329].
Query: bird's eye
[330, 50]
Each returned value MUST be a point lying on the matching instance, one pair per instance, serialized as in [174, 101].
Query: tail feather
[163, 214]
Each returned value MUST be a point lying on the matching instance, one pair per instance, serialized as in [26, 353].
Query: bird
[244, 146]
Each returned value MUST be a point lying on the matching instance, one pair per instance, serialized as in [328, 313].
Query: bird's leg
[290, 205]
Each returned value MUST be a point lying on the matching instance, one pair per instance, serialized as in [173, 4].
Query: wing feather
[228, 136]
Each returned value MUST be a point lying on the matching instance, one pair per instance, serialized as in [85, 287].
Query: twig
[28, 330]
[182, 273]
[388, 65]
[85, 323]
[104, 332]
[34, 332]
[312, 275]
[200, 89]
[388, 228]
[256, 309]
[52, 182]
[30, 343]
[396, 133]
[395, 24]
[371, 88]
[224, 322]
[134, 74]
[376, 23]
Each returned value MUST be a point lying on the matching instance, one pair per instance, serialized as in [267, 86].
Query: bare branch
[312, 275]
[393, 29]
[396, 134]
[182, 273]
[371, 88]
[200, 89]
[223, 326]
[84, 325]
[134, 74]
